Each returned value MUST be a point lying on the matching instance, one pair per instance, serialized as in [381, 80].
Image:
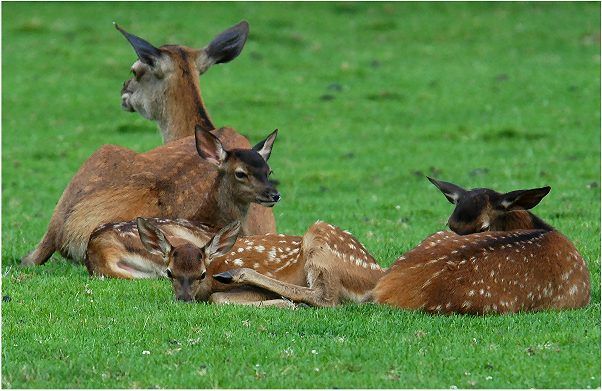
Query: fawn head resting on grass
[186, 264]
[323, 268]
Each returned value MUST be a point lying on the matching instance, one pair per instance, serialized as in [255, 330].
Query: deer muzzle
[126, 93]
[269, 198]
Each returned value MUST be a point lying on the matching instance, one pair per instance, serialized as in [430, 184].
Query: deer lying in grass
[165, 89]
[317, 269]
[216, 188]
[507, 260]
[117, 184]
[241, 178]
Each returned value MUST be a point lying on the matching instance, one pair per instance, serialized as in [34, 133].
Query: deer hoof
[26, 261]
[224, 277]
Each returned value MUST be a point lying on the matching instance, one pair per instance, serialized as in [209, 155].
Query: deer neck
[228, 206]
[520, 219]
[184, 107]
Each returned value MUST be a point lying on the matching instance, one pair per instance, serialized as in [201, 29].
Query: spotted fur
[518, 264]
[323, 268]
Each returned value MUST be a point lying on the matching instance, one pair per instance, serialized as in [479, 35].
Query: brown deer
[169, 181]
[165, 83]
[164, 88]
[323, 268]
[501, 258]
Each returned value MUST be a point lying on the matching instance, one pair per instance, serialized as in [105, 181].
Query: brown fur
[323, 268]
[168, 93]
[174, 101]
[521, 264]
[489, 272]
[117, 184]
[327, 267]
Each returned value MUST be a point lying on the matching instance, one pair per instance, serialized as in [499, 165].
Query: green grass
[369, 98]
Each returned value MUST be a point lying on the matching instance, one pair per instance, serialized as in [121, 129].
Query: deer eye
[240, 174]
[138, 73]
[169, 275]
[202, 275]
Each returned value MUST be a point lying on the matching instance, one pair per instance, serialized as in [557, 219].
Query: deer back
[489, 272]
[116, 184]
[274, 255]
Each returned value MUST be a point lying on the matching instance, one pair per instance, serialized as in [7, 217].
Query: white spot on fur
[238, 262]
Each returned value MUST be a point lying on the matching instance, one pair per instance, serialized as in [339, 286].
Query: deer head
[244, 173]
[186, 265]
[164, 86]
[479, 210]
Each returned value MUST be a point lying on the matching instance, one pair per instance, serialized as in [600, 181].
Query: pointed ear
[224, 48]
[525, 199]
[153, 238]
[450, 191]
[209, 147]
[222, 242]
[146, 52]
[264, 148]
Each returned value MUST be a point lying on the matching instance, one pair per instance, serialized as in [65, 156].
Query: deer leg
[249, 298]
[43, 250]
[245, 276]
[116, 262]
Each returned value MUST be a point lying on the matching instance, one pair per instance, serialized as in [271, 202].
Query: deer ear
[452, 192]
[209, 147]
[222, 242]
[525, 199]
[224, 48]
[153, 238]
[264, 148]
[146, 52]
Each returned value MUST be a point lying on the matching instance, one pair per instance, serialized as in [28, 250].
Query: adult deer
[505, 259]
[165, 83]
[117, 184]
[323, 268]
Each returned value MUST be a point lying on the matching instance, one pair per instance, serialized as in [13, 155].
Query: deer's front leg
[249, 298]
[296, 293]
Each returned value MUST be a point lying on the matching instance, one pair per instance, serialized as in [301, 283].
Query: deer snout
[185, 297]
[126, 93]
[269, 197]
[275, 196]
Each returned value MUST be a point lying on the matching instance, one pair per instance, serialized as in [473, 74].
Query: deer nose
[276, 197]
[186, 298]
[125, 86]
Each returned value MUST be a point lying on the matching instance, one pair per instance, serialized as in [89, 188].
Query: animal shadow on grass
[512, 134]
[132, 128]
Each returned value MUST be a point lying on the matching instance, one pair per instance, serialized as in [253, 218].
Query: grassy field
[369, 98]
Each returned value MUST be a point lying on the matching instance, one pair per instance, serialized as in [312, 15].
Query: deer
[325, 267]
[118, 184]
[499, 258]
[165, 89]
[230, 180]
